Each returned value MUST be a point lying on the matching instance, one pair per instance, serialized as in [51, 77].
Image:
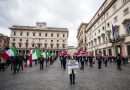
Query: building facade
[71, 50]
[39, 36]
[4, 41]
[108, 32]
[81, 37]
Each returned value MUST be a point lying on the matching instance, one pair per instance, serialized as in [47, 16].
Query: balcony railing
[118, 38]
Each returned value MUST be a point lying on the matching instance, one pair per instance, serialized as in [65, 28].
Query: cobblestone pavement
[54, 78]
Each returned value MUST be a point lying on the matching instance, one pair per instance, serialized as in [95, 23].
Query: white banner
[73, 64]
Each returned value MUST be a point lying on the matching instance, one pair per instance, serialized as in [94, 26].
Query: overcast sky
[56, 13]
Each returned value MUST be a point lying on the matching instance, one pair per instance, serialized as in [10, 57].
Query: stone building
[81, 37]
[71, 50]
[39, 36]
[4, 41]
[108, 32]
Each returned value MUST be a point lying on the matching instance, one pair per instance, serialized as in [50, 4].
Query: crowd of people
[19, 62]
[85, 60]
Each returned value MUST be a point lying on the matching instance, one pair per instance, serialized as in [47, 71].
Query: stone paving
[54, 78]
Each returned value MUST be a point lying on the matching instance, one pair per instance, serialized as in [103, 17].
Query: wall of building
[106, 18]
[44, 38]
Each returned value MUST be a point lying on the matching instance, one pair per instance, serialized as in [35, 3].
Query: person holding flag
[2, 64]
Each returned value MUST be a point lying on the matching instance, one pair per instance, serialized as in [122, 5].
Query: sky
[56, 13]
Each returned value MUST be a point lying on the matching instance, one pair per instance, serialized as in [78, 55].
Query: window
[51, 40]
[20, 39]
[21, 34]
[116, 33]
[39, 34]
[115, 19]
[98, 31]
[57, 40]
[114, 8]
[52, 35]
[103, 28]
[57, 45]
[63, 40]
[20, 45]
[14, 33]
[125, 1]
[27, 34]
[108, 24]
[33, 34]
[63, 46]
[45, 45]
[46, 34]
[126, 11]
[51, 45]
[127, 28]
[32, 45]
[63, 35]
[99, 39]
[13, 39]
[57, 35]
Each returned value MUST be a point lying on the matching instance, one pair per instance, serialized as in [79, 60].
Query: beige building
[71, 50]
[81, 37]
[108, 31]
[40, 36]
[4, 41]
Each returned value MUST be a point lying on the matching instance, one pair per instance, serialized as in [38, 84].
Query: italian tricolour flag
[34, 54]
[10, 52]
[118, 50]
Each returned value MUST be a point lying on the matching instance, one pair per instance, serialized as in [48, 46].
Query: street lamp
[26, 46]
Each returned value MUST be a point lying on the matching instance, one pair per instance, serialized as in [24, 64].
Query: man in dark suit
[20, 64]
[64, 62]
[41, 60]
[91, 61]
[99, 61]
[16, 61]
[118, 60]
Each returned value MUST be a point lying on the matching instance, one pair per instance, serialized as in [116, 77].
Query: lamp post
[26, 46]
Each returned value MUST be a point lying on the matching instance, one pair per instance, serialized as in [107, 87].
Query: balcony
[118, 39]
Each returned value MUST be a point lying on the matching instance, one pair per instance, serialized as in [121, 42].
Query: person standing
[61, 61]
[82, 62]
[41, 60]
[47, 61]
[99, 61]
[16, 61]
[71, 71]
[106, 60]
[21, 62]
[64, 62]
[12, 62]
[91, 61]
[2, 64]
[118, 60]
